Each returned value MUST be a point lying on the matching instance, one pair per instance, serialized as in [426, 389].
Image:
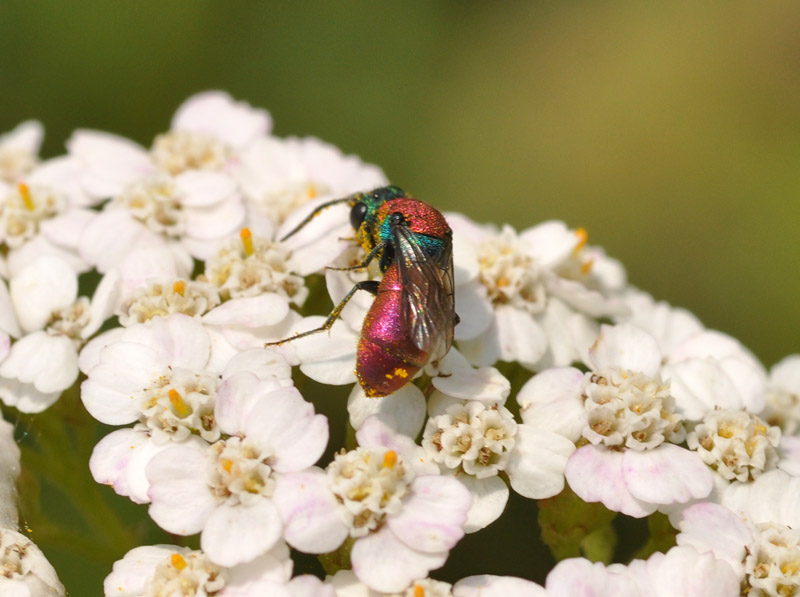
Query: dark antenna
[313, 214]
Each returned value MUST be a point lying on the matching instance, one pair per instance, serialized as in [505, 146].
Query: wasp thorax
[178, 151]
[510, 275]
[629, 409]
[369, 483]
[736, 444]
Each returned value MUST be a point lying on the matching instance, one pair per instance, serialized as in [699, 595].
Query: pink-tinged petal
[682, 572]
[215, 113]
[700, 386]
[264, 364]
[378, 431]
[284, 422]
[90, 353]
[183, 339]
[666, 475]
[25, 397]
[521, 339]
[310, 512]
[251, 311]
[789, 451]
[130, 575]
[275, 565]
[25, 137]
[50, 363]
[786, 374]
[236, 534]
[403, 411]
[552, 401]
[577, 577]
[181, 500]
[537, 463]
[46, 285]
[386, 564]
[711, 527]
[8, 320]
[203, 188]
[433, 516]
[772, 498]
[627, 347]
[235, 399]
[595, 475]
[119, 460]
[128, 367]
[489, 499]
[111, 162]
[474, 309]
[486, 585]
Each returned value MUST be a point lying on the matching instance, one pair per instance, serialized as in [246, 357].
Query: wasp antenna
[315, 213]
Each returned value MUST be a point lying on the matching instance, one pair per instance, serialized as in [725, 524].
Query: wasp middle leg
[370, 286]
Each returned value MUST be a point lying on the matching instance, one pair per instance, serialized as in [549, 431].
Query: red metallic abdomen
[387, 358]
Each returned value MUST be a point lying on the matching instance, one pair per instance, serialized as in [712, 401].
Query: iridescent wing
[427, 279]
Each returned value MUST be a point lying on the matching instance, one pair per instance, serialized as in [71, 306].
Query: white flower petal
[44, 286]
[537, 463]
[521, 339]
[216, 114]
[489, 499]
[25, 397]
[628, 347]
[682, 572]
[487, 585]
[50, 363]
[386, 564]
[551, 401]
[403, 410]
[181, 500]
[577, 577]
[236, 534]
[474, 310]
[251, 311]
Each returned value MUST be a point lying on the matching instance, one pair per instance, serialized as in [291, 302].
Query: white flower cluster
[629, 402]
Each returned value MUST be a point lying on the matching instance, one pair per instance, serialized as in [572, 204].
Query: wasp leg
[370, 286]
[367, 260]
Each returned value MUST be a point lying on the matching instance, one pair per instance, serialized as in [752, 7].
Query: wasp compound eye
[357, 215]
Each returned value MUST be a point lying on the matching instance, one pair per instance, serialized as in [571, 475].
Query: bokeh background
[671, 131]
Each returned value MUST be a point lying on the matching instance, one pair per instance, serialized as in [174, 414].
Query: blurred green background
[671, 131]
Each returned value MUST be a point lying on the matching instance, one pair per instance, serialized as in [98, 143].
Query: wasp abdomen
[387, 356]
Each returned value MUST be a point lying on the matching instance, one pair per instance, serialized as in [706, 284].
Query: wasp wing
[428, 297]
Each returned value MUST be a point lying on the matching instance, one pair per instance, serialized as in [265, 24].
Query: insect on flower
[411, 320]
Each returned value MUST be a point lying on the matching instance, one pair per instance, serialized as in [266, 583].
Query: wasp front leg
[370, 286]
[375, 252]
